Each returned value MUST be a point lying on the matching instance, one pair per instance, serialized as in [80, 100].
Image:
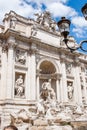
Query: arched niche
[47, 72]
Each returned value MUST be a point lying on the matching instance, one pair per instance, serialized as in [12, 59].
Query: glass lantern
[64, 26]
[84, 11]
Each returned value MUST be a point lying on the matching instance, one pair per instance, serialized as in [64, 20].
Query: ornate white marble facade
[31, 53]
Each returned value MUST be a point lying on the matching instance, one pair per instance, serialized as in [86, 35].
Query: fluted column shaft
[64, 83]
[77, 86]
[3, 73]
[32, 77]
[10, 70]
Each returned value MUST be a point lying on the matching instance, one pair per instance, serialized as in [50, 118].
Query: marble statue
[47, 108]
[19, 86]
[70, 90]
[40, 108]
[47, 91]
[45, 20]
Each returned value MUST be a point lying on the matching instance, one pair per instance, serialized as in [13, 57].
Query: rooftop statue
[46, 20]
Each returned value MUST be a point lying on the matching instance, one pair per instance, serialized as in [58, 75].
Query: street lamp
[84, 11]
[64, 28]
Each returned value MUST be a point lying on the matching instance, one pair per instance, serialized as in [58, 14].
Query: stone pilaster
[58, 87]
[3, 72]
[10, 70]
[38, 88]
[32, 73]
[77, 84]
[58, 90]
[84, 87]
[28, 77]
[38, 84]
[64, 82]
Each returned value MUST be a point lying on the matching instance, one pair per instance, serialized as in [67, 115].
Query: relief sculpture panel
[20, 57]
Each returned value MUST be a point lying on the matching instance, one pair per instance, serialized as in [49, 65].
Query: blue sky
[58, 8]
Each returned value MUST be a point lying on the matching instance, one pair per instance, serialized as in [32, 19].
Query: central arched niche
[47, 67]
[47, 71]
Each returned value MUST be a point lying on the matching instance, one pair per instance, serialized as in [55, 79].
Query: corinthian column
[77, 84]
[64, 82]
[32, 74]
[28, 77]
[58, 87]
[84, 87]
[38, 88]
[3, 72]
[10, 70]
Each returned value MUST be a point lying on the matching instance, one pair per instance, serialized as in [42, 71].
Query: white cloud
[59, 9]
[46, 2]
[79, 21]
[80, 26]
[56, 7]
[79, 32]
[23, 8]
[16, 5]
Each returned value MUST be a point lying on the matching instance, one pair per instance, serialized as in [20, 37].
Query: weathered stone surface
[33, 128]
[40, 122]
[41, 127]
[67, 127]
[53, 83]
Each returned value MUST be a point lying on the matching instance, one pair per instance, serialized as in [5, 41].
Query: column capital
[38, 72]
[76, 62]
[62, 58]
[4, 48]
[11, 45]
[32, 50]
[58, 76]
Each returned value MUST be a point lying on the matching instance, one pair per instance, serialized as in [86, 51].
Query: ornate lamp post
[64, 28]
[84, 11]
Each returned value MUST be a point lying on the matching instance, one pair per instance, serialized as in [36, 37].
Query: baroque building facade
[32, 56]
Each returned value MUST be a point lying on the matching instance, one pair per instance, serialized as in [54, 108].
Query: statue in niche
[47, 91]
[44, 92]
[47, 100]
[70, 90]
[19, 87]
[20, 57]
